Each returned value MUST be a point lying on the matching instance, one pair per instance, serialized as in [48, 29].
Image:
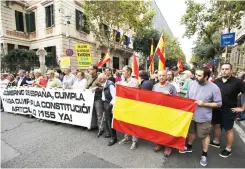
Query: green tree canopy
[19, 59]
[124, 15]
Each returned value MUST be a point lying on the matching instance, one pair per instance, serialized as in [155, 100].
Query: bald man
[166, 88]
[108, 98]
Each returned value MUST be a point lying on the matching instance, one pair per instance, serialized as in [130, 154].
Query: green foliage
[19, 59]
[206, 20]
[143, 40]
[124, 15]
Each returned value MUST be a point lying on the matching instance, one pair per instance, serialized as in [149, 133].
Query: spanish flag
[105, 59]
[135, 66]
[153, 116]
[180, 64]
[160, 51]
[152, 59]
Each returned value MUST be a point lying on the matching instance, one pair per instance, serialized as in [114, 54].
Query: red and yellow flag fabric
[153, 116]
[135, 66]
[105, 59]
[160, 51]
[152, 59]
[180, 65]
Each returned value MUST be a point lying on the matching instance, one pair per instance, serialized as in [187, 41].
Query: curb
[241, 124]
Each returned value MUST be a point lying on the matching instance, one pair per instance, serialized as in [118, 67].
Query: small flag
[135, 66]
[105, 59]
[160, 51]
[164, 120]
[152, 59]
[180, 65]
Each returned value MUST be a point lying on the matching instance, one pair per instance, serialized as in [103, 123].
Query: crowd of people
[218, 99]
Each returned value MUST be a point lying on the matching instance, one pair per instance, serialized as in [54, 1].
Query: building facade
[159, 22]
[237, 57]
[55, 25]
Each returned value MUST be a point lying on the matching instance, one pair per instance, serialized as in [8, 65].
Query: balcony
[240, 35]
[18, 34]
[23, 35]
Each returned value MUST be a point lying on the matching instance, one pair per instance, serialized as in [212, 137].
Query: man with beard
[224, 117]
[207, 96]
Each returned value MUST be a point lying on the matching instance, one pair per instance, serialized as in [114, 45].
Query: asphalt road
[26, 142]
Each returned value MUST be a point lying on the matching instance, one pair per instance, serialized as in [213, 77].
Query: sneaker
[203, 161]
[133, 146]
[124, 141]
[186, 150]
[214, 144]
[225, 153]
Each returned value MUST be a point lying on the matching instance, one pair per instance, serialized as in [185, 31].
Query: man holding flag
[129, 81]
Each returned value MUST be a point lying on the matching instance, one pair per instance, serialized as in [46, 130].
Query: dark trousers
[108, 120]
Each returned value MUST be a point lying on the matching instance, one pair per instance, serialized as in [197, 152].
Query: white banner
[65, 106]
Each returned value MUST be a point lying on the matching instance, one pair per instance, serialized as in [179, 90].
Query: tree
[142, 43]
[19, 59]
[116, 15]
[204, 20]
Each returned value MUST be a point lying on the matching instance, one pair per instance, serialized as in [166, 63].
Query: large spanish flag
[104, 60]
[153, 116]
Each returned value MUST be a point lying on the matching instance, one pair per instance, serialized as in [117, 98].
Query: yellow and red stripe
[153, 116]
[104, 60]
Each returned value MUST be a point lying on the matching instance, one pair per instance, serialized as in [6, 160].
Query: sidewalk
[241, 124]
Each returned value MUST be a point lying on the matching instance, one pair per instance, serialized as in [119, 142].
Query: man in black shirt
[230, 87]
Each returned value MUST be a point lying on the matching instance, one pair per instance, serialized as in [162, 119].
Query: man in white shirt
[129, 81]
[108, 98]
[80, 83]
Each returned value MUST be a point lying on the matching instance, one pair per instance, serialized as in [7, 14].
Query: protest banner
[153, 116]
[65, 106]
[83, 55]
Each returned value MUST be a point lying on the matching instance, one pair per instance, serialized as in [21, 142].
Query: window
[104, 28]
[82, 22]
[10, 47]
[125, 61]
[23, 47]
[30, 22]
[115, 63]
[102, 55]
[50, 59]
[19, 20]
[126, 40]
[49, 15]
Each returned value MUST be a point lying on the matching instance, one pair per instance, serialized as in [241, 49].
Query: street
[27, 142]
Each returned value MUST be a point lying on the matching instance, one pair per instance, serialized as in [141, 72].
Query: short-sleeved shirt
[166, 88]
[229, 90]
[69, 80]
[208, 93]
[130, 82]
[52, 83]
[185, 87]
